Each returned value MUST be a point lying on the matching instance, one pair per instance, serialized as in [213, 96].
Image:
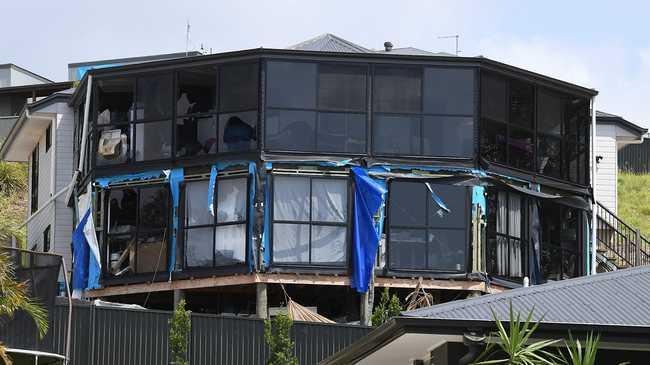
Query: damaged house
[228, 178]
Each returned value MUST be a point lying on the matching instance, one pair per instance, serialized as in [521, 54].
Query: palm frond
[4, 355]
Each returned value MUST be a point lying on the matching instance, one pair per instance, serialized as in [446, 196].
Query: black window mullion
[311, 199]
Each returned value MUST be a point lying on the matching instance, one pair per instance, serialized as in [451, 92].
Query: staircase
[619, 245]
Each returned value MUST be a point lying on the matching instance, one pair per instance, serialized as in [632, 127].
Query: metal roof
[618, 298]
[329, 43]
[605, 118]
[414, 52]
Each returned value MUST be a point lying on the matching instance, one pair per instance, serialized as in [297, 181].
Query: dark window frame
[183, 227]
[426, 228]
[421, 115]
[34, 180]
[48, 137]
[317, 110]
[546, 244]
[347, 224]
[492, 233]
[47, 238]
[136, 234]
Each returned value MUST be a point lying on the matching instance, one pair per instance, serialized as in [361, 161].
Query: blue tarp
[176, 177]
[105, 181]
[368, 197]
[81, 255]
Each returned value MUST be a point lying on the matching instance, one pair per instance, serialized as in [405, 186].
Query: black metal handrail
[622, 243]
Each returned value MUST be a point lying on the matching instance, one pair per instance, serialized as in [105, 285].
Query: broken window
[138, 233]
[219, 239]
[237, 131]
[506, 249]
[561, 248]
[316, 107]
[114, 101]
[424, 235]
[419, 111]
[310, 217]
[154, 97]
[197, 91]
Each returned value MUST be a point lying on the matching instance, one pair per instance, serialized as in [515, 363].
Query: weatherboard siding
[607, 169]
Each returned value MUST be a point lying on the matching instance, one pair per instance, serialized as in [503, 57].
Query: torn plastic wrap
[368, 198]
[104, 182]
[436, 198]
[176, 177]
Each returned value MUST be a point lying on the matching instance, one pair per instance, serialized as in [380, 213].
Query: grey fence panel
[109, 336]
[635, 158]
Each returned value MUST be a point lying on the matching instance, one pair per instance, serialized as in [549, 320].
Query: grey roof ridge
[520, 292]
[337, 38]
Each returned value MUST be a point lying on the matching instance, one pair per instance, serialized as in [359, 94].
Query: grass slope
[634, 200]
[13, 201]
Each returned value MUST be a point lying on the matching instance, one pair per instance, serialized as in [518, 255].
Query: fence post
[637, 261]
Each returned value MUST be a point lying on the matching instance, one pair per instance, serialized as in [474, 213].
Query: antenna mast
[187, 39]
[452, 36]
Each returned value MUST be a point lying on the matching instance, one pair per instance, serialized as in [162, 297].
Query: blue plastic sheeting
[340, 163]
[176, 177]
[105, 181]
[387, 168]
[437, 199]
[478, 197]
[252, 171]
[81, 255]
[368, 198]
[81, 71]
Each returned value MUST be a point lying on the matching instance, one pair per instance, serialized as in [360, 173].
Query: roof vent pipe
[388, 46]
[526, 282]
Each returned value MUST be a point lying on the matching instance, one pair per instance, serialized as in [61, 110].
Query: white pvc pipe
[84, 132]
[594, 217]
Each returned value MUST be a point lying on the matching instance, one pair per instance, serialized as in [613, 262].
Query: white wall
[19, 78]
[607, 169]
[5, 77]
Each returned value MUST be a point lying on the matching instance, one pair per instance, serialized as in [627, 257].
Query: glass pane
[113, 145]
[154, 208]
[549, 113]
[122, 210]
[494, 103]
[327, 244]
[569, 234]
[329, 200]
[291, 198]
[196, 136]
[396, 135]
[408, 203]
[197, 91]
[342, 87]
[570, 264]
[153, 140]
[291, 243]
[290, 130]
[493, 141]
[583, 163]
[196, 204]
[448, 91]
[114, 100]
[121, 258]
[521, 148]
[455, 198]
[154, 98]
[448, 136]
[238, 87]
[230, 244]
[522, 104]
[291, 84]
[198, 247]
[549, 153]
[407, 249]
[397, 90]
[338, 132]
[237, 132]
[447, 249]
[231, 200]
[551, 262]
[571, 161]
[152, 252]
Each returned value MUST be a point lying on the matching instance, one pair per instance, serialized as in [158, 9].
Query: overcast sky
[597, 44]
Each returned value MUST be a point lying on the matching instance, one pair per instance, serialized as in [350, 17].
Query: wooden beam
[296, 279]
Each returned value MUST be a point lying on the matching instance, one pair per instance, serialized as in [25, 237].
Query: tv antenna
[452, 36]
[187, 38]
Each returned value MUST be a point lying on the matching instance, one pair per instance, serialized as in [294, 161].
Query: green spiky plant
[180, 326]
[387, 308]
[281, 347]
[14, 297]
[513, 345]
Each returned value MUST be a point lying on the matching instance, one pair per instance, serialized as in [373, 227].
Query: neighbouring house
[612, 134]
[456, 333]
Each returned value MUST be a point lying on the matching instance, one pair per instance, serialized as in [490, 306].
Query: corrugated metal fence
[635, 157]
[109, 336]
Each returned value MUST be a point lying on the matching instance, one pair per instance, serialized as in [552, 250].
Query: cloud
[621, 75]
